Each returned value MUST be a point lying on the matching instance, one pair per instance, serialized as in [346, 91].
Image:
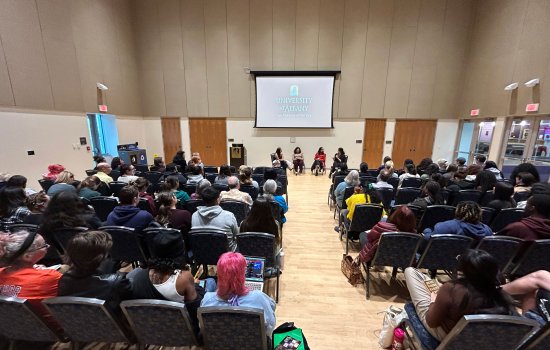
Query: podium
[131, 154]
[237, 155]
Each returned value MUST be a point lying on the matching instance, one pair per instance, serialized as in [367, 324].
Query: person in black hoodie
[127, 213]
[536, 225]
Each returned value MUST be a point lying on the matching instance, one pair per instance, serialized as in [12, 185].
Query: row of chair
[400, 250]
[144, 322]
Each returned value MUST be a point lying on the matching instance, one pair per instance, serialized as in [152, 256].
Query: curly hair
[469, 212]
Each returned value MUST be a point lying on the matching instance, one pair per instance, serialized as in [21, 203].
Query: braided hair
[469, 212]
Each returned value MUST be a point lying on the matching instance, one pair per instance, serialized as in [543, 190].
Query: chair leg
[433, 274]
[277, 288]
[347, 242]
[394, 272]
[367, 280]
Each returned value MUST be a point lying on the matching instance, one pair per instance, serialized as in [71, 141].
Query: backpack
[287, 336]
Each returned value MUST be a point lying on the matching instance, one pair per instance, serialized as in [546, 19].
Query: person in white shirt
[127, 173]
[234, 193]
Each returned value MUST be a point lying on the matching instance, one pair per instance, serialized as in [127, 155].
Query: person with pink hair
[232, 291]
[53, 171]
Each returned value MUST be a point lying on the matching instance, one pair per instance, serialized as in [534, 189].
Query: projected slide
[294, 102]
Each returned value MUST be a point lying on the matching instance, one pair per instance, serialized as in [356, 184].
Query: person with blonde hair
[88, 187]
[64, 182]
[231, 290]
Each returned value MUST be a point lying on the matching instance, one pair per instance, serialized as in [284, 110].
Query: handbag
[352, 270]
[392, 318]
[288, 336]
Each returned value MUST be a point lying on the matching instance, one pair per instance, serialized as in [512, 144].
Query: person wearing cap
[167, 276]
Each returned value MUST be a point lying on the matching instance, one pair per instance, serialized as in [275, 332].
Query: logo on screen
[293, 90]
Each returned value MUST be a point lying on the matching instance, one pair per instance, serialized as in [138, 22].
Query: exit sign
[532, 107]
[102, 108]
[474, 112]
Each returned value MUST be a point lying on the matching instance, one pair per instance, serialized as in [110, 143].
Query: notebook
[254, 276]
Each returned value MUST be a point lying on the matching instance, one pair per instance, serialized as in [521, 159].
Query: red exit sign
[532, 107]
[474, 112]
[102, 108]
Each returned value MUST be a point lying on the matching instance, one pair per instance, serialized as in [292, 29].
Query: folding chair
[103, 206]
[239, 209]
[506, 217]
[126, 245]
[406, 195]
[434, 214]
[502, 248]
[467, 195]
[441, 253]
[45, 184]
[365, 216]
[414, 182]
[536, 257]
[207, 245]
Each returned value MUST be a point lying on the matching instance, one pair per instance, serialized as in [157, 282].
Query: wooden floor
[314, 293]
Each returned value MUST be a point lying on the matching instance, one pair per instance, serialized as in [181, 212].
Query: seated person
[502, 196]
[351, 180]
[196, 160]
[298, 160]
[179, 159]
[361, 195]
[158, 165]
[401, 220]
[211, 215]
[476, 292]
[103, 171]
[384, 176]
[524, 181]
[270, 193]
[169, 216]
[223, 175]
[85, 253]
[271, 174]
[53, 171]
[142, 184]
[173, 185]
[467, 222]
[536, 225]
[37, 204]
[127, 213]
[87, 187]
[245, 177]
[533, 292]
[285, 164]
[64, 182]
[201, 185]
[492, 167]
[20, 181]
[319, 160]
[232, 291]
[260, 219]
[410, 171]
[167, 276]
[339, 159]
[194, 174]
[172, 170]
[127, 173]
[389, 167]
[363, 169]
[12, 207]
[116, 163]
[431, 195]
[234, 193]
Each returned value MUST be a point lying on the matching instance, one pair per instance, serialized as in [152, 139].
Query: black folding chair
[251, 190]
[506, 217]
[487, 215]
[348, 192]
[522, 196]
[536, 257]
[486, 198]
[407, 195]
[365, 216]
[221, 187]
[239, 209]
[62, 235]
[467, 196]
[441, 253]
[152, 176]
[434, 214]
[502, 248]
[210, 169]
[103, 206]
[46, 184]
[207, 245]
[190, 188]
[192, 205]
[127, 245]
[414, 182]
[116, 186]
[386, 195]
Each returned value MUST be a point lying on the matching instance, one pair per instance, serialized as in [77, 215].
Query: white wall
[495, 151]
[260, 143]
[54, 138]
[445, 139]
[388, 136]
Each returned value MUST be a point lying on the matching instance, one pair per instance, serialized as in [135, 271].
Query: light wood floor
[314, 293]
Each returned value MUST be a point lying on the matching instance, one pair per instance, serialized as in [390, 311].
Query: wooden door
[413, 139]
[373, 142]
[208, 137]
[171, 137]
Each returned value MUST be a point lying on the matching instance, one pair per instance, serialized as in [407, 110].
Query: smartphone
[202, 283]
[288, 343]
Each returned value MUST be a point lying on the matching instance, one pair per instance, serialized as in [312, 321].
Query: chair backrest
[365, 216]
[539, 340]
[152, 176]
[239, 209]
[258, 244]
[506, 217]
[192, 205]
[233, 328]
[91, 172]
[141, 167]
[488, 332]
[467, 195]
[442, 250]
[337, 179]
[251, 190]
[211, 177]
[536, 257]
[86, 320]
[126, 244]
[62, 235]
[434, 214]
[103, 206]
[406, 195]
[45, 184]
[502, 248]
[415, 182]
[19, 322]
[487, 215]
[221, 187]
[210, 169]
[208, 244]
[116, 186]
[260, 170]
[114, 174]
[276, 211]
[190, 188]
[396, 249]
[348, 192]
[159, 322]
[521, 196]
[394, 181]
[486, 198]
[386, 195]
[144, 205]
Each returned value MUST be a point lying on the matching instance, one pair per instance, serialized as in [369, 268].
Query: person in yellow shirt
[360, 195]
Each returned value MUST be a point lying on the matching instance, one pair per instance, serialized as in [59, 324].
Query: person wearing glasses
[20, 277]
[127, 173]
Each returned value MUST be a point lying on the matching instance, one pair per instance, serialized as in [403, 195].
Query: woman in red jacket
[402, 220]
[319, 160]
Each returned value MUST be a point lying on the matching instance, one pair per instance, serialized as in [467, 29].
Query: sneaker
[337, 228]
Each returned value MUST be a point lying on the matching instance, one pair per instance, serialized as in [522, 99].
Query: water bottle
[398, 338]
[282, 259]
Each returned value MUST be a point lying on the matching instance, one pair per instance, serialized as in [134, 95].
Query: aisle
[314, 293]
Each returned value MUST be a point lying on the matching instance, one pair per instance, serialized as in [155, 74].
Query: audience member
[423, 165]
[103, 171]
[536, 225]
[245, 178]
[533, 292]
[319, 160]
[196, 160]
[537, 188]
[37, 204]
[213, 216]
[53, 171]
[270, 189]
[201, 185]
[127, 213]
[450, 173]
[492, 167]
[480, 160]
[285, 164]
[410, 171]
[85, 253]
[87, 187]
[169, 216]
[116, 163]
[467, 222]
[363, 169]
[99, 159]
[361, 195]
[429, 171]
[223, 175]
[12, 207]
[19, 181]
[158, 165]
[386, 159]
[524, 181]
[234, 193]
[401, 220]
[298, 160]
[442, 164]
[195, 174]
[172, 184]
[351, 180]
[431, 195]
[260, 219]
[127, 173]
[384, 176]
[4, 177]
[271, 174]
[461, 164]
[502, 196]
[179, 159]
[524, 168]
[232, 291]
[389, 168]
[340, 159]
[476, 292]
[142, 184]
[64, 182]
[485, 181]
[172, 170]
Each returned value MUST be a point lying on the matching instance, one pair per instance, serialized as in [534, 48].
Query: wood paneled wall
[52, 53]
[399, 58]
[509, 44]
